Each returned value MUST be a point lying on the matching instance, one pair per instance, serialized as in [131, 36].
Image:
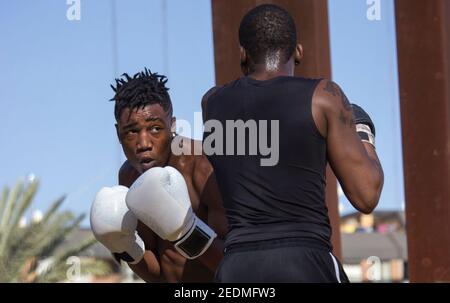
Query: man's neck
[261, 73]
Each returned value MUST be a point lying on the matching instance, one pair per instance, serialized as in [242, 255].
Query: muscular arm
[354, 163]
[205, 182]
[149, 268]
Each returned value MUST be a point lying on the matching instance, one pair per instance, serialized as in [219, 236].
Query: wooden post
[423, 44]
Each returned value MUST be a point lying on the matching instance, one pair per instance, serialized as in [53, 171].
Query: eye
[155, 129]
[130, 133]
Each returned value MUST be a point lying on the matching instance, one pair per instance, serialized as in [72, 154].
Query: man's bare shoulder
[188, 149]
[203, 167]
[194, 160]
[330, 97]
[186, 153]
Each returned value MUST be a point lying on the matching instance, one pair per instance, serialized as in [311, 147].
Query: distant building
[374, 246]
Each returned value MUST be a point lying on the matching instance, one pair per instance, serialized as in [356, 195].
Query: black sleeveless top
[285, 200]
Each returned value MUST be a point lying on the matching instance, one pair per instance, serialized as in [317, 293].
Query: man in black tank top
[269, 136]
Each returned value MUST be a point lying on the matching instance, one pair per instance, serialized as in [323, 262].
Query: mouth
[146, 163]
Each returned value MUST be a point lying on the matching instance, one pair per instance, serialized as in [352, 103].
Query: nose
[144, 142]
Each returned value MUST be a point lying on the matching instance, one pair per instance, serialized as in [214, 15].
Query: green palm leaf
[35, 253]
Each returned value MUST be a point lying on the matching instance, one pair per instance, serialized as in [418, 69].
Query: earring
[297, 62]
[180, 144]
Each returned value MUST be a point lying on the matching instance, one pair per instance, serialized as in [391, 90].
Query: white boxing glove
[114, 225]
[160, 199]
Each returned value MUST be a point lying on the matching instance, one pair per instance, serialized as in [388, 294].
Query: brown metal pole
[423, 43]
[311, 18]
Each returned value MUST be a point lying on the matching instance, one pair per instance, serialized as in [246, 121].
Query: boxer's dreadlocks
[142, 89]
[267, 29]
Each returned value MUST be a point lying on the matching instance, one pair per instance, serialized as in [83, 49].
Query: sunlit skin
[145, 135]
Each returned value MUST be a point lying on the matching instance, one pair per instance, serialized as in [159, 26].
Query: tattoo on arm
[334, 90]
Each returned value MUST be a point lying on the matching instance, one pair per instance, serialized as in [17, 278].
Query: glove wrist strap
[196, 241]
[365, 134]
[133, 254]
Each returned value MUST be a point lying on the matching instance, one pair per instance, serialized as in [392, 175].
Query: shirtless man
[146, 130]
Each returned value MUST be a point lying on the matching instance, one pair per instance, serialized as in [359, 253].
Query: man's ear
[244, 60]
[117, 132]
[298, 54]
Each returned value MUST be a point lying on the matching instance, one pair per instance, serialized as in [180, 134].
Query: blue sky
[59, 125]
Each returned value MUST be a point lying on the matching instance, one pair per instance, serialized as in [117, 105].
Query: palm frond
[6, 215]
[5, 193]
[36, 253]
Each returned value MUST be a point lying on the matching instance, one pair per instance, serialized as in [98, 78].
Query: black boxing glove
[364, 125]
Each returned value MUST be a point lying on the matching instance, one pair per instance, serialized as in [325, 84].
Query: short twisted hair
[143, 89]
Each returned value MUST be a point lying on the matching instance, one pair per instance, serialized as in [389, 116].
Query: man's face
[145, 136]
